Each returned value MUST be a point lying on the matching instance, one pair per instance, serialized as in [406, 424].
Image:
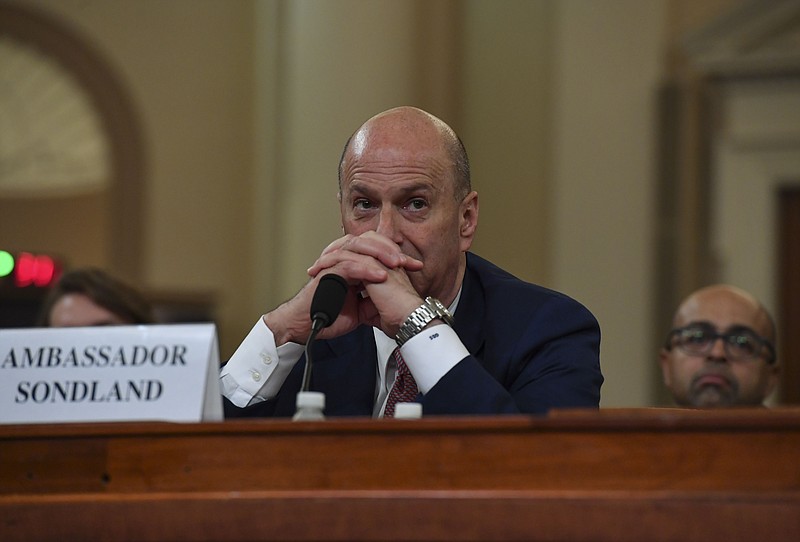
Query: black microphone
[326, 305]
[328, 300]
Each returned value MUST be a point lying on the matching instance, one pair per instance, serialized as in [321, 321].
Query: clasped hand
[380, 295]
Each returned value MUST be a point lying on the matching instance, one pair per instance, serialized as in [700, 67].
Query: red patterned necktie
[404, 389]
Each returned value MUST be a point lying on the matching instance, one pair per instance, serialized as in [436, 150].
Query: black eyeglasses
[740, 343]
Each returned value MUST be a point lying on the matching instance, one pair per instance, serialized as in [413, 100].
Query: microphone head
[328, 300]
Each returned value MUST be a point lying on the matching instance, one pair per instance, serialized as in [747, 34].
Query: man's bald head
[720, 351]
[396, 124]
[724, 298]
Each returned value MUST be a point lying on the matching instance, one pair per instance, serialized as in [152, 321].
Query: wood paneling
[652, 474]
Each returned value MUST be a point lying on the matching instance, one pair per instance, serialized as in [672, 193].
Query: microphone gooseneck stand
[326, 305]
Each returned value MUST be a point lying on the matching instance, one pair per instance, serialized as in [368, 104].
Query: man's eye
[696, 337]
[744, 343]
[362, 204]
[417, 204]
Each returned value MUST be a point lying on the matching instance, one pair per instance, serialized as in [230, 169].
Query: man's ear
[468, 219]
[663, 361]
[774, 375]
[341, 210]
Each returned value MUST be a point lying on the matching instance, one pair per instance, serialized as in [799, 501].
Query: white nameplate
[110, 373]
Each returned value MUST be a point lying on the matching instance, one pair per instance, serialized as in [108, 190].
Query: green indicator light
[6, 263]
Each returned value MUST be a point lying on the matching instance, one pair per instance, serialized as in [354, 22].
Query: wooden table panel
[649, 474]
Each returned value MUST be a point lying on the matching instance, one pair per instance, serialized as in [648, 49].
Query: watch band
[430, 309]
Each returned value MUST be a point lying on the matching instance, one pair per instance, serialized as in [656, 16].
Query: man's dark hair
[458, 153]
[104, 290]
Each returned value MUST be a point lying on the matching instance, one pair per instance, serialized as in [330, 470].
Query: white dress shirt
[258, 368]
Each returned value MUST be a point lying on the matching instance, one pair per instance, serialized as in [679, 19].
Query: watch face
[51, 138]
[440, 310]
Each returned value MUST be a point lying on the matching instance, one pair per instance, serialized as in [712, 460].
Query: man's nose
[387, 223]
[718, 349]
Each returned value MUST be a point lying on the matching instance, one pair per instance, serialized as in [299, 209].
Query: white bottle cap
[311, 399]
[408, 411]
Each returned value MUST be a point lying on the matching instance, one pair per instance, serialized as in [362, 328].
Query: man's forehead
[399, 187]
[721, 311]
[396, 146]
[369, 162]
[395, 156]
[374, 142]
[358, 143]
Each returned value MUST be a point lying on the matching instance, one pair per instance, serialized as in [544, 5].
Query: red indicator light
[25, 271]
[45, 271]
[32, 270]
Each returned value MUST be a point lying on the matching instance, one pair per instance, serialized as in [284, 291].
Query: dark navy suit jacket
[532, 349]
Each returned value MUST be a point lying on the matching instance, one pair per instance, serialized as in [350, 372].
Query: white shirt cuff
[258, 368]
[431, 354]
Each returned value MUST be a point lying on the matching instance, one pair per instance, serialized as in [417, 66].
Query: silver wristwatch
[429, 310]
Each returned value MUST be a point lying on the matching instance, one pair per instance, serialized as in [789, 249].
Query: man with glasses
[721, 350]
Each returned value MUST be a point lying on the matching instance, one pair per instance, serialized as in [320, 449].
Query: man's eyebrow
[357, 187]
[730, 329]
[367, 190]
[703, 323]
[741, 327]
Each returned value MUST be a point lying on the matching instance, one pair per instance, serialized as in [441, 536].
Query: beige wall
[339, 66]
[507, 87]
[188, 68]
[604, 179]
[245, 106]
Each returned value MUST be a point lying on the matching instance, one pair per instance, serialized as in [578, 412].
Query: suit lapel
[470, 311]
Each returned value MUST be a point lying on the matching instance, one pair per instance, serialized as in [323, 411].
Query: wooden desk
[621, 475]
